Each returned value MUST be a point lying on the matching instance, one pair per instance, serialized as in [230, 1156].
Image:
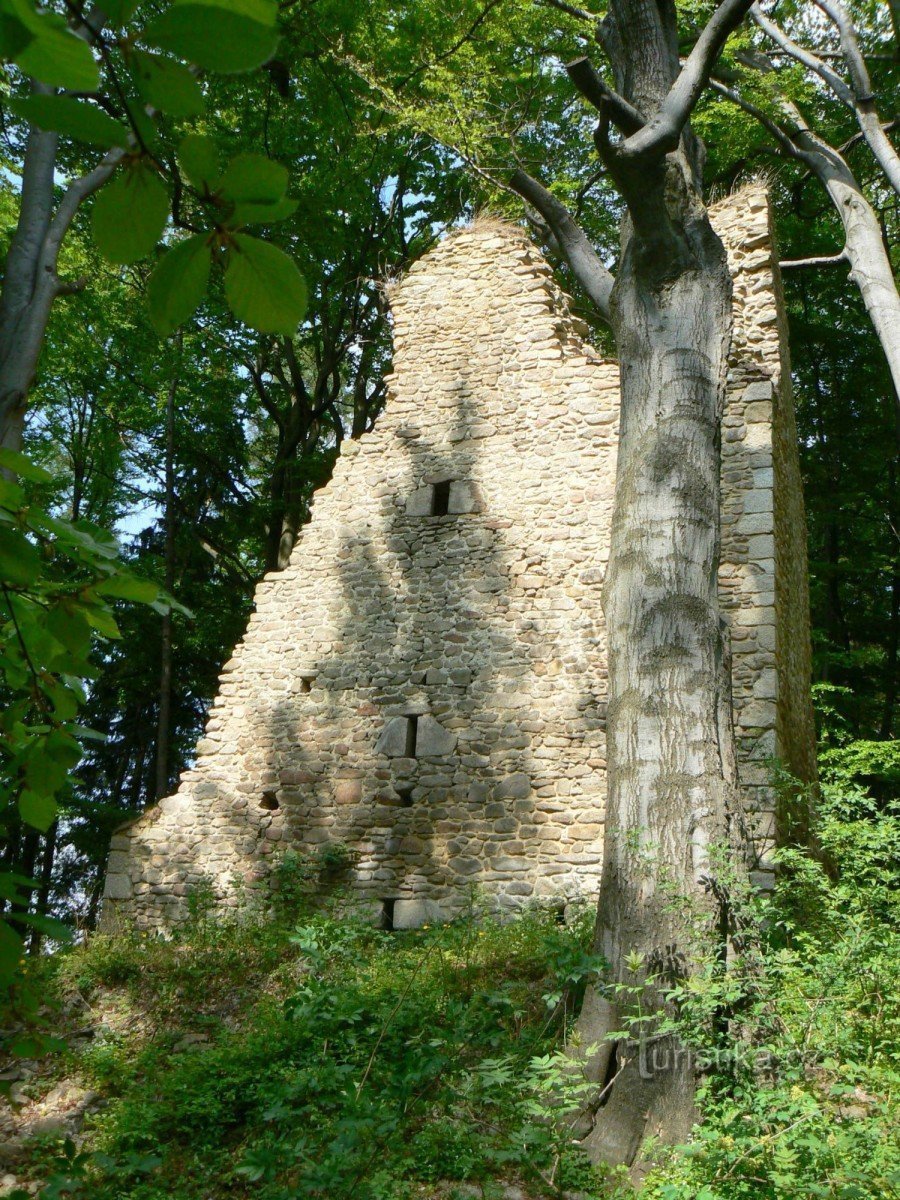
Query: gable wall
[483, 624]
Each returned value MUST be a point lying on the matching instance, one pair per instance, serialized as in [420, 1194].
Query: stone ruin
[426, 682]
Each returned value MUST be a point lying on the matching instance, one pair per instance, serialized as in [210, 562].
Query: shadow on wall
[433, 784]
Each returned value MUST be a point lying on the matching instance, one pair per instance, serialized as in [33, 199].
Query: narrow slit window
[386, 919]
[440, 498]
[412, 733]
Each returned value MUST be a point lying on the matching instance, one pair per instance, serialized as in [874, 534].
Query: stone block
[412, 914]
[432, 739]
[463, 497]
[419, 502]
[118, 887]
[514, 787]
[393, 739]
[348, 791]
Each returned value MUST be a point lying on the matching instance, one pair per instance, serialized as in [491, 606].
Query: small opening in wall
[412, 733]
[269, 801]
[404, 791]
[612, 1070]
[386, 920]
[305, 686]
[440, 498]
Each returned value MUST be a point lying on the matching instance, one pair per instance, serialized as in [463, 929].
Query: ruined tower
[425, 683]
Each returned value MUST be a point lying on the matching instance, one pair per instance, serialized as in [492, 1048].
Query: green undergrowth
[328, 1058]
[315, 1056]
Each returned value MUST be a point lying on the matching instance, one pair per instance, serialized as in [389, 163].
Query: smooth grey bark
[30, 280]
[672, 782]
[864, 249]
[858, 95]
[164, 711]
[570, 239]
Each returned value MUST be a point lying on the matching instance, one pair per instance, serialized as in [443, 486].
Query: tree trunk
[870, 266]
[164, 714]
[891, 663]
[672, 781]
[30, 281]
[671, 765]
[42, 903]
[28, 293]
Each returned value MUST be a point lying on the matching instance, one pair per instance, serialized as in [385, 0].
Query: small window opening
[305, 686]
[440, 498]
[412, 733]
[404, 791]
[386, 919]
[612, 1069]
[269, 801]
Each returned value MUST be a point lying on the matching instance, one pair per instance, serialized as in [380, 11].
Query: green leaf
[254, 178]
[48, 925]
[167, 85]
[37, 809]
[127, 587]
[218, 35]
[73, 118]
[70, 628]
[20, 560]
[198, 156]
[264, 287]
[14, 34]
[18, 464]
[261, 214]
[12, 497]
[119, 11]
[178, 284]
[62, 748]
[102, 620]
[44, 47]
[130, 214]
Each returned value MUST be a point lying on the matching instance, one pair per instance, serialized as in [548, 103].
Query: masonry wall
[426, 681]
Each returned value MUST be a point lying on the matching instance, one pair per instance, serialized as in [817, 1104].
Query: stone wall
[426, 681]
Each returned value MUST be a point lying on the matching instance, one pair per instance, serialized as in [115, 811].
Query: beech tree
[672, 785]
[799, 133]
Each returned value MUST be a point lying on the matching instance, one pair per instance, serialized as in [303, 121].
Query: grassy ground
[280, 1058]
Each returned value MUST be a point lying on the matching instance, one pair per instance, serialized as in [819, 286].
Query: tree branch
[662, 132]
[781, 135]
[571, 10]
[586, 264]
[824, 260]
[803, 56]
[597, 92]
[856, 64]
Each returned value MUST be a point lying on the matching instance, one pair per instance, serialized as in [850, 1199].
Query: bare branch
[781, 135]
[803, 56]
[856, 64]
[824, 260]
[858, 98]
[571, 10]
[596, 91]
[586, 264]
